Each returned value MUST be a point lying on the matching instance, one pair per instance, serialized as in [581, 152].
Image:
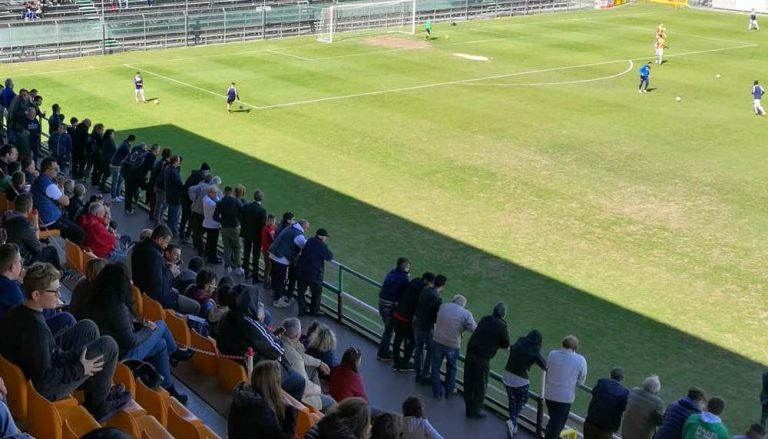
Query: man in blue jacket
[391, 290]
[678, 412]
[309, 272]
[609, 399]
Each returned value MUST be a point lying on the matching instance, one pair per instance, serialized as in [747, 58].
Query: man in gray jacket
[452, 320]
[645, 410]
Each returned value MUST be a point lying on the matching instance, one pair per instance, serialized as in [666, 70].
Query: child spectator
[187, 276]
[415, 425]
[17, 187]
[387, 426]
[707, 424]
[321, 345]
[345, 379]
[267, 237]
[203, 291]
[76, 206]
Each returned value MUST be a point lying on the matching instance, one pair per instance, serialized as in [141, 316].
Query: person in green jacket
[428, 28]
[707, 425]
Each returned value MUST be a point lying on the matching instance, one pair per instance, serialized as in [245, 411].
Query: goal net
[394, 16]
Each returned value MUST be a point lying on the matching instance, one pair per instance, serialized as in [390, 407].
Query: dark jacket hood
[333, 427]
[245, 300]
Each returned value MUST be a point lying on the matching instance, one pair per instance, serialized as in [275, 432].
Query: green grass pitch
[539, 177]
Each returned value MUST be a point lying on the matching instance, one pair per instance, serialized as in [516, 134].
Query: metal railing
[147, 29]
[362, 317]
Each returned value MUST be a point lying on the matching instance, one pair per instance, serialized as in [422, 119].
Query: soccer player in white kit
[138, 84]
[753, 21]
[757, 94]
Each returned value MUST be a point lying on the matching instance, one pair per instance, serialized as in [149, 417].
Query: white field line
[186, 84]
[580, 81]
[435, 84]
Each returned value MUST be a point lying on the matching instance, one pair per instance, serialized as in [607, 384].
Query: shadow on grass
[369, 240]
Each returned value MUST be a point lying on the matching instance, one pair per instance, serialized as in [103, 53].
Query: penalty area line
[580, 81]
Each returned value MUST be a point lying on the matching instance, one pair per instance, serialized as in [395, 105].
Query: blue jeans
[8, 428]
[385, 312]
[156, 350]
[451, 355]
[59, 321]
[117, 181]
[173, 218]
[422, 340]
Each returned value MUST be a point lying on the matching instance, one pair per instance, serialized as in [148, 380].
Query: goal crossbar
[392, 16]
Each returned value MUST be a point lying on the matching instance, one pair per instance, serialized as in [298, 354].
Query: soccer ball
[678, 99]
[717, 76]
[157, 101]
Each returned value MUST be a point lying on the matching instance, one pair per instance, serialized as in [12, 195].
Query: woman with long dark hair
[259, 406]
[110, 306]
[349, 419]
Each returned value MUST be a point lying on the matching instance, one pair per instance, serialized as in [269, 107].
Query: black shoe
[408, 368]
[114, 403]
[179, 396]
[180, 355]
[216, 260]
[384, 357]
[478, 415]
[129, 212]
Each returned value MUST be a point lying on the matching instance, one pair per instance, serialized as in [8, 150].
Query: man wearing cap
[309, 272]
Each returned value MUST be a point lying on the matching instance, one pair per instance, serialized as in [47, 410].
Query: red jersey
[267, 236]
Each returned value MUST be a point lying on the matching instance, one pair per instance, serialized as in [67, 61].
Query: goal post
[392, 16]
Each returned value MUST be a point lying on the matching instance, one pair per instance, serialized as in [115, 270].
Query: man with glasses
[11, 295]
[77, 358]
[48, 198]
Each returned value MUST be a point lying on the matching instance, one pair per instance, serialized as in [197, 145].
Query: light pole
[103, 31]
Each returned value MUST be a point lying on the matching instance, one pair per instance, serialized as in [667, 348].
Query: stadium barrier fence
[129, 31]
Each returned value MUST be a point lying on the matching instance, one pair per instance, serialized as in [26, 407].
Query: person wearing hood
[522, 355]
[259, 407]
[707, 424]
[609, 399]
[21, 224]
[678, 412]
[349, 419]
[644, 410]
[242, 328]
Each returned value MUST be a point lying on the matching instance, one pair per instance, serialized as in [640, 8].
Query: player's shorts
[659, 52]
[230, 100]
[756, 104]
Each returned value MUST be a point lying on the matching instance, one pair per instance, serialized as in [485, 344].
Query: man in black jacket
[24, 233]
[242, 328]
[424, 319]
[253, 217]
[136, 178]
[227, 213]
[77, 357]
[309, 272]
[402, 318]
[490, 335]
[195, 177]
[173, 189]
[154, 276]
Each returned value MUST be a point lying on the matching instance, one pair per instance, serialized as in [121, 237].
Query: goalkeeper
[428, 28]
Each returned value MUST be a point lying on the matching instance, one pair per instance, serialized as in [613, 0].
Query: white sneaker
[282, 303]
[119, 199]
[239, 271]
[511, 428]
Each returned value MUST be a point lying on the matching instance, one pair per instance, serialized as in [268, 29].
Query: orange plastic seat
[304, 421]
[74, 256]
[138, 301]
[206, 433]
[4, 203]
[204, 363]
[68, 432]
[16, 383]
[87, 257]
[181, 422]
[152, 309]
[46, 419]
[155, 402]
[151, 429]
[230, 374]
[124, 376]
[178, 327]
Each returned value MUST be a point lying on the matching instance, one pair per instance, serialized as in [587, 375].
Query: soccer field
[533, 172]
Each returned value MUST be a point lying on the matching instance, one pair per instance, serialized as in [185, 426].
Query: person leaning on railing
[609, 399]
[566, 369]
[644, 410]
[678, 412]
[522, 355]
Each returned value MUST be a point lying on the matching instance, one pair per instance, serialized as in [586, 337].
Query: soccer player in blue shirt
[757, 94]
[138, 83]
[753, 21]
[645, 73]
[231, 96]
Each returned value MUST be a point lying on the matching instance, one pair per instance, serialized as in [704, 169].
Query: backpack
[135, 159]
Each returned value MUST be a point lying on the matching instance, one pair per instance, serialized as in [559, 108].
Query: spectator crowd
[62, 348]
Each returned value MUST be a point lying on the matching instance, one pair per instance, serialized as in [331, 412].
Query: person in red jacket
[99, 238]
[346, 380]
